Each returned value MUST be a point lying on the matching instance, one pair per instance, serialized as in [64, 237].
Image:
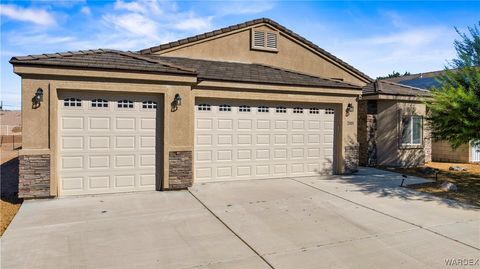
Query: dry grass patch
[467, 182]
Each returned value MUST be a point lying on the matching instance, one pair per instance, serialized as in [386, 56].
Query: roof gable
[194, 40]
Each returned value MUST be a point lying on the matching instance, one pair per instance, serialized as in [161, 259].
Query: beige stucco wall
[389, 150]
[292, 55]
[41, 124]
[41, 129]
[442, 151]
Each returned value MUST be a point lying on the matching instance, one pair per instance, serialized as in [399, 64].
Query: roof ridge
[60, 54]
[145, 58]
[227, 29]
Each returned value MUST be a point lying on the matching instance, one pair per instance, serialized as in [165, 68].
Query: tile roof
[102, 59]
[247, 24]
[392, 88]
[202, 69]
[256, 73]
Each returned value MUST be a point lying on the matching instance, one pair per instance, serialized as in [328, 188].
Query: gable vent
[271, 40]
[259, 39]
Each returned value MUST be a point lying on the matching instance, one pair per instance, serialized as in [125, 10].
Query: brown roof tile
[392, 88]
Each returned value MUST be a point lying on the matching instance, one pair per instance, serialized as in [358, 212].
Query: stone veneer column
[34, 176]
[180, 170]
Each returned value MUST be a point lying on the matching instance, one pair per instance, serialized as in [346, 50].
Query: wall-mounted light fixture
[177, 101]
[349, 109]
[37, 98]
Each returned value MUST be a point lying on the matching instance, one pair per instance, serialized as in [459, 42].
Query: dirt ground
[9, 204]
[467, 182]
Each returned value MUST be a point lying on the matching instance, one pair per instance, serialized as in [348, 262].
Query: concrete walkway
[359, 221]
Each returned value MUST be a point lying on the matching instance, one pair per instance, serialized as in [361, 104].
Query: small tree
[454, 109]
[395, 74]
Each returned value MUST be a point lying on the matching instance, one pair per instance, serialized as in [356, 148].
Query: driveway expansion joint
[386, 214]
[232, 231]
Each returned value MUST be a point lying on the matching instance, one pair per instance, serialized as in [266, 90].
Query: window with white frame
[412, 130]
[125, 104]
[281, 109]
[263, 109]
[72, 102]
[314, 110]
[204, 107]
[244, 109]
[297, 110]
[149, 104]
[99, 103]
[225, 108]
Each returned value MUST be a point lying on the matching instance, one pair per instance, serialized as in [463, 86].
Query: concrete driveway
[360, 221]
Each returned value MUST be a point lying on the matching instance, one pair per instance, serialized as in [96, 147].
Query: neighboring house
[253, 100]
[442, 151]
[391, 129]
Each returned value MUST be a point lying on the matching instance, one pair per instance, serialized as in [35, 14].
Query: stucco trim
[394, 97]
[268, 87]
[46, 72]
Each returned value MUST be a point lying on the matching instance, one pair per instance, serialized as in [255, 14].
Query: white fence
[476, 153]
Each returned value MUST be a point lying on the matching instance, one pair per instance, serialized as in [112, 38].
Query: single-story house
[391, 129]
[253, 100]
[442, 151]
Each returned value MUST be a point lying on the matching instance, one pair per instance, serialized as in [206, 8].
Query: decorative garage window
[225, 108]
[125, 104]
[263, 109]
[244, 109]
[297, 110]
[281, 109]
[99, 103]
[72, 102]
[314, 110]
[264, 40]
[149, 104]
[204, 107]
[412, 129]
[329, 111]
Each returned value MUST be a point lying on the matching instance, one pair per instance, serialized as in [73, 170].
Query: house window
[314, 110]
[225, 108]
[412, 130]
[281, 109]
[264, 40]
[244, 109]
[99, 103]
[204, 107]
[72, 102]
[297, 110]
[149, 104]
[329, 111]
[125, 104]
[263, 109]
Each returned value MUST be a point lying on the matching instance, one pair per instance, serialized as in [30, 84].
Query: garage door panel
[250, 142]
[116, 150]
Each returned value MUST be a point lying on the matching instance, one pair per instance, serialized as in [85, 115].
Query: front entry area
[251, 140]
[107, 142]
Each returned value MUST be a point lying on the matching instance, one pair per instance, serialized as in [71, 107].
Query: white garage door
[107, 143]
[253, 140]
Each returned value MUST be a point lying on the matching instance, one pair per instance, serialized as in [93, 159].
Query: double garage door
[106, 143]
[253, 140]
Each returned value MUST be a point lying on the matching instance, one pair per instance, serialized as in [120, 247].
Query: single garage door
[253, 140]
[107, 143]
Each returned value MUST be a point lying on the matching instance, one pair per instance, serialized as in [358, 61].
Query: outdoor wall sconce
[177, 101]
[37, 98]
[349, 109]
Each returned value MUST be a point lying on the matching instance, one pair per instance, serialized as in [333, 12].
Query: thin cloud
[243, 7]
[36, 16]
[86, 10]
[195, 24]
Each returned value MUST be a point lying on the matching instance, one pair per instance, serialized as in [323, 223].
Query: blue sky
[374, 36]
